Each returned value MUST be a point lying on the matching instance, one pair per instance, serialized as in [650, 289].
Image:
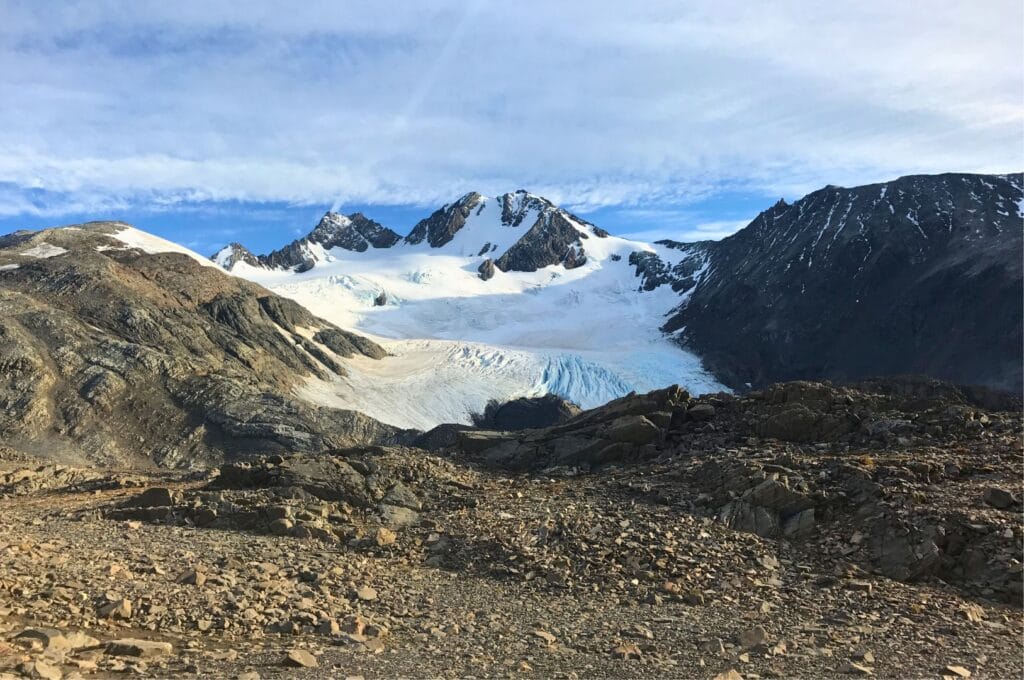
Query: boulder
[526, 413]
[143, 649]
[999, 498]
[155, 497]
[700, 412]
[486, 269]
[902, 551]
[633, 430]
[300, 658]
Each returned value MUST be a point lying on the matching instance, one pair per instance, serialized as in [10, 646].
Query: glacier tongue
[428, 382]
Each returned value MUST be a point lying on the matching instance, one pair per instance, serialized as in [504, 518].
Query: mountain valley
[513, 444]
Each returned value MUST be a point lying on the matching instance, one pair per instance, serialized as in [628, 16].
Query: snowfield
[586, 334]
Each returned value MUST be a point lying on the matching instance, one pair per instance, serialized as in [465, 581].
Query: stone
[730, 674]
[49, 638]
[384, 536]
[117, 609]
[744, 516]
[799, 524]
[752, 637]
[157, 496]
[40, 669]
[142, 649]
[545, 636]
[999, 498]
[958, 671]
[281, 527]
[626, 652]
[366, 594]
[396, 517]
[701, 412]
[300, 658]
[193, 578]
[633, 430]
[851, 668]
[904, 551]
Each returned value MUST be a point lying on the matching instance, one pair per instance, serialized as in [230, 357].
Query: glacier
[587, 334]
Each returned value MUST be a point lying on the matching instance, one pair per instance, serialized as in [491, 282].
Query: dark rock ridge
[445, 222]
[552, 239]
[526, 412]
[332, 496]
[918, 275]
[550, 236]
[112, 355]
[233, 253]
[354, 232]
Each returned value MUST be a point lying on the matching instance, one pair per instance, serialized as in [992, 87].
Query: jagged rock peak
[445, 222]
[354, 232]
[517, 205]
[232, 254]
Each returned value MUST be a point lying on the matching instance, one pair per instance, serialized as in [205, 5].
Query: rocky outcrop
[486, 269]
[526, 413]
[232, 254]
[681, 276]
[444, 223]
[617, 431]
[552, 239]
[354, 496]
[846, 284]
[552, 236]
[801, 461]
[354, 232]
[114, 355]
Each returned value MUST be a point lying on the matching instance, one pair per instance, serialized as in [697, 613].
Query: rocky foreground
[803, 531]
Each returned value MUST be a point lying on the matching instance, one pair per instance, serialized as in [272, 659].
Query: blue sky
[205, 122]
[205, 226]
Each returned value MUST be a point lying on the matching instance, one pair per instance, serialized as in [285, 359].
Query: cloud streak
[595, 104]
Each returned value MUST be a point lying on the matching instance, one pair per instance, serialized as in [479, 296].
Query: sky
[214, 122]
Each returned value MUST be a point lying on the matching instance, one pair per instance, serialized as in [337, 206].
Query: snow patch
[148, 243]
[44, 250]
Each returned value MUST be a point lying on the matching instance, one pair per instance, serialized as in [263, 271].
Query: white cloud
[595, 104]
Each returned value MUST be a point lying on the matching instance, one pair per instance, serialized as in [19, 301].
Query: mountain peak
[233, 253]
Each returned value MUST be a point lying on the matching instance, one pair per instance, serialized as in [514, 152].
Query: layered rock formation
[114, 354]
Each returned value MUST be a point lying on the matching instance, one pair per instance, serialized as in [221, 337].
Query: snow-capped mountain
[493, 298]
[354, 232]
[487, 298]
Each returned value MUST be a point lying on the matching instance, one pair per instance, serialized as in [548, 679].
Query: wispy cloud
[596, 104]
